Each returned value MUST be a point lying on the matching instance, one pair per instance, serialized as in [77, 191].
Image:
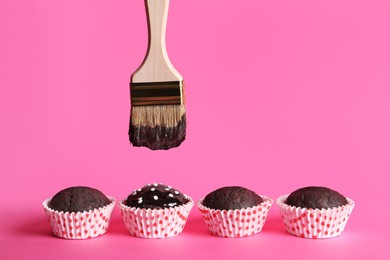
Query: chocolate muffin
[316, 198]
[230, 198]
[156, 196]
[78, 199]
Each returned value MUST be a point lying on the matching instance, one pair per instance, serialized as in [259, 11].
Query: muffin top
[156, 196]
[78, 199]
[316, 198]
[230, 198]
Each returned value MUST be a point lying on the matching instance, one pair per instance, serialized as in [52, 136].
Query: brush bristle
[159, 127]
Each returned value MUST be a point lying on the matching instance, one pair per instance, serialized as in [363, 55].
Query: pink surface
[280, 95]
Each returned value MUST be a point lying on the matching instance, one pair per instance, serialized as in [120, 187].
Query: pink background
[280, 95]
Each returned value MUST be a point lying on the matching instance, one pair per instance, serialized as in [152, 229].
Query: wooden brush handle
[156, 66]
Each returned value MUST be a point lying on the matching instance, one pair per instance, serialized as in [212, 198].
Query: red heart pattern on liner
[314, 223]
[236, 223]
[80, 225]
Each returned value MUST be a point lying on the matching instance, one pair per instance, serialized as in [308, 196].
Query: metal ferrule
[157, 93]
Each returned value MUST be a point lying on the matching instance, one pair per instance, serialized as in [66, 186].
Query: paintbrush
[158, 116]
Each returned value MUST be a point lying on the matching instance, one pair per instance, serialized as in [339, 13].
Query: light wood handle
[156, 66]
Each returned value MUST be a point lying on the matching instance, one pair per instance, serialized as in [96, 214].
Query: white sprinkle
[139, 200]
[139, 190]
[171, 204]
[155, 197]
[176, 192]
[167, 188]
[170, 195]
[135, 192]
[155, 184]
[170, 187]
[152, 189]
[148, 184]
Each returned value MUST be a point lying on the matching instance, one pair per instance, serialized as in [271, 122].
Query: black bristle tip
[158, 137]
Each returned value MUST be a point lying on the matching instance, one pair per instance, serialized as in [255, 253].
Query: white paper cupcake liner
[155, 223]
[314, 223]
[80, 225]
[238, 222]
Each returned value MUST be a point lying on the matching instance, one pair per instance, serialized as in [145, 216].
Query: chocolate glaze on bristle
[158, 137]
[158, 127]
